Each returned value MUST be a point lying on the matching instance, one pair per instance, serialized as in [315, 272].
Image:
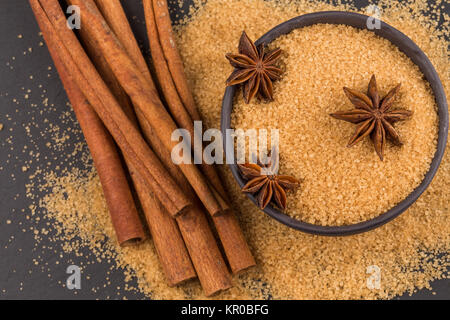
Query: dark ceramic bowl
[407, 46]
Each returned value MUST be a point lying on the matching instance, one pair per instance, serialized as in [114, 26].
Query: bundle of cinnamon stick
[121, 114]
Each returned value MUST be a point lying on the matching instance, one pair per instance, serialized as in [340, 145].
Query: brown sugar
[409, 252]
[343, 185]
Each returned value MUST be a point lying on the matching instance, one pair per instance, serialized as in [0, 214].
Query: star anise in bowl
[254, 68]
[373, 116]
[265, 184]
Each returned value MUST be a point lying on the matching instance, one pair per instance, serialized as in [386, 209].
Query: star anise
[254, 69]
[266, 184]
[373, 116]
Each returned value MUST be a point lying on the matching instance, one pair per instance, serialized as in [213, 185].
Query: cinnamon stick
[167, 76]
[106, 74]
[172, 252]
[116, 18]
[174, 103]
[173, 58]
[205, 254]
[166, 236]
[194, 226]
[170, 72]
[170, 247]
[118, 197]
[143, 96]
[127, 137]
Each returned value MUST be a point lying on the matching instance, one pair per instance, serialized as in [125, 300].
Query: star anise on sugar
[254, 68]
[264, 182]
[373, 116]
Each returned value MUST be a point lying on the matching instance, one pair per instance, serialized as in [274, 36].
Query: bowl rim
[407, 46]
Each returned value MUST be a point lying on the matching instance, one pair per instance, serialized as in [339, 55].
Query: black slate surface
[20, 276]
